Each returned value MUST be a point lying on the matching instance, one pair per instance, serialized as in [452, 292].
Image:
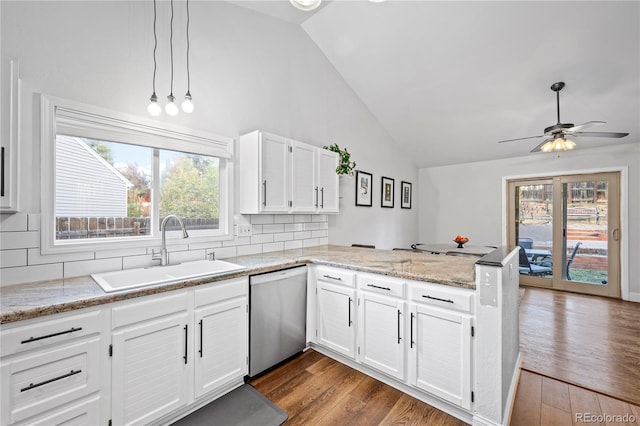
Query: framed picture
[405, 195]
[388, 192]
[364, 182]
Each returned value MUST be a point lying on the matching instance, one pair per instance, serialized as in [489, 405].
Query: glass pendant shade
[306, 5]
[558, 144]
[171, 108]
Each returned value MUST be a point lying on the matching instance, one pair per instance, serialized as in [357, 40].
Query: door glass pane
[534, 229]
[585, 239]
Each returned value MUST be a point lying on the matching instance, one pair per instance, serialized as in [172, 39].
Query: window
[108, 180]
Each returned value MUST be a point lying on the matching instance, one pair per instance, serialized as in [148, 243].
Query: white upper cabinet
[9, 108]
[280, 175]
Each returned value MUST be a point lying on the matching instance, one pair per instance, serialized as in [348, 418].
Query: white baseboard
[634, 297]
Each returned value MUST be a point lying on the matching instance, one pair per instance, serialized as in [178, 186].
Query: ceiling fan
[556, 135]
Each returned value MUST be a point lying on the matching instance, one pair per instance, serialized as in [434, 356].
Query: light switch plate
[243, 230]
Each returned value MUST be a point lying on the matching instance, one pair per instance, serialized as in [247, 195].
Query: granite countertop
[32, 300]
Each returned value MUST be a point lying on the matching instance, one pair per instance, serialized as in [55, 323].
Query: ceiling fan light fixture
[305, 5]
[558, 144]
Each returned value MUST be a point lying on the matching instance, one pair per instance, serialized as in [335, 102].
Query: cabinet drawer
[147, 308]
[336, 276]
[48, 331]
[381, 284]
[220, 291]
[443, 296]
[49, 378]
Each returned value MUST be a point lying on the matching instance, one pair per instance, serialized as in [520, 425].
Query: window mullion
[155, 194]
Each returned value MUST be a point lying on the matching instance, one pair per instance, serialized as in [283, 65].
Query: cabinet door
[304, 189]
[336, 315]
[273, 166]
[150, 374]
[440, 353]
[222, 350]
[381, 333]
[328, 181]
[8, 135]
[83, 413]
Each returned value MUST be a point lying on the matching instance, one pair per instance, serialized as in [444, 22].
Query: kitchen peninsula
[474, 300]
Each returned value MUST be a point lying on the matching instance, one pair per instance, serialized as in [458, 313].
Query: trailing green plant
[346, 166]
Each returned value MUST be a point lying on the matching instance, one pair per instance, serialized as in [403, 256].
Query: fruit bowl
[460, 240]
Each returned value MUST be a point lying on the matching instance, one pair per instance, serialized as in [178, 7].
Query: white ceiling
[449, 79]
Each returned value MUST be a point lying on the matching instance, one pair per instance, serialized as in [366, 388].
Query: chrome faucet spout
[164, 255]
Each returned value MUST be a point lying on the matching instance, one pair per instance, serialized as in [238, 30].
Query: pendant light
[187, 105]
[171, 108]
[306, 5]
[153, 108]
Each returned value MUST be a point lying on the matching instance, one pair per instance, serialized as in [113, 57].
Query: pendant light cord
[171, 47]
[155, 46]
[188, 45]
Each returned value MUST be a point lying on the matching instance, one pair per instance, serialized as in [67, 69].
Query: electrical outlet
[243, 230]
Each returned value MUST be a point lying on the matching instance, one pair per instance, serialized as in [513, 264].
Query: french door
[568, 230]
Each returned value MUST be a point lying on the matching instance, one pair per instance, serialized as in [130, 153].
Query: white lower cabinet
[51, 370]
[336, 318]
[440, 353]
[222, 336]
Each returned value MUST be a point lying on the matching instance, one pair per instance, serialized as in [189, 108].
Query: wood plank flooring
[589, 341]
[316, 390]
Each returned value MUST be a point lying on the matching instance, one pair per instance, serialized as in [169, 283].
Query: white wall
[468, 198]
[248, 71]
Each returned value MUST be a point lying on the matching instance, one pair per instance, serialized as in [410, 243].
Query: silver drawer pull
[64, 376]
[332, 278]
[437, 298]
[33, 339]
[377, 286]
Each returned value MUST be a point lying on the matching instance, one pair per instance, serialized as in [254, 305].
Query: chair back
[523, 260]
[570, 260]
[525, 242]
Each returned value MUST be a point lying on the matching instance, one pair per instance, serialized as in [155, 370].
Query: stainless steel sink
[144, 277]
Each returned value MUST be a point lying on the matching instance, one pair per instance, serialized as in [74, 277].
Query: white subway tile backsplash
[256, 229]
[302, 218]
[11, 258]
[283, 218]
[283, 236]
[237, 241]
[310, 242]
[272, 247]
[205, 245]
[13, 222]
[259, 219]
[103, 254]
[289, 245]
[28, 274]
[225, 252]
[292, 227]
[270, 229]
[247, 250]
[319, 218]
[88, 267]
[131, 262]
[302, 235]
[35, 258]
[33, 222]
[323, 241]
[262, 238]
[187, 256]
[313, 226]
[18, 240]
[320, 233]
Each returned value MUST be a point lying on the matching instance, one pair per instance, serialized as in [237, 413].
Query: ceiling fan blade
[539, 147]
[583, 125]
[521, 139]
[601, 134]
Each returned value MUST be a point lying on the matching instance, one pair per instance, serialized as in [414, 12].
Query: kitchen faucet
[163, 256]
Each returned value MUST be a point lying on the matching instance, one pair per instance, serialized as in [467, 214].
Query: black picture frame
[405, 195]
[387, 192]
[364, 189]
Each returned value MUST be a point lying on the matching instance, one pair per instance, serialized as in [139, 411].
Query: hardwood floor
[316, 390]
[588, 341]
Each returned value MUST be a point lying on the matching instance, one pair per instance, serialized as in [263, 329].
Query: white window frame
[76, 119]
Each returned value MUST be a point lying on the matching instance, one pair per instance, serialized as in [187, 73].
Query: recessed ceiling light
[306, 4]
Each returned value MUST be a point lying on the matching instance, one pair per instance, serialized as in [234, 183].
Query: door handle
[411, 331]
[616, 234]
[350, 322]
[264, 191]
[186, 343]
[316, 196]
[201, 342]
[399, 338]
[322, 197]
[46, 382]
[34, 339]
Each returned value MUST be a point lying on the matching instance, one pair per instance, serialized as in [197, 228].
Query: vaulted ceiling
[449, 79]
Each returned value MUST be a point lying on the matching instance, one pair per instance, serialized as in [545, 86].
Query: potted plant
[346, 166]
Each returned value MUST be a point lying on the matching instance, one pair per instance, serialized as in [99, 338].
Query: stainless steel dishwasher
[278, 317]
